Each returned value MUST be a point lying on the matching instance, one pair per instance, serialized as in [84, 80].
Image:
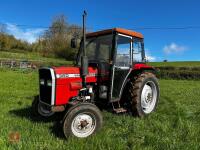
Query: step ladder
[118, 109]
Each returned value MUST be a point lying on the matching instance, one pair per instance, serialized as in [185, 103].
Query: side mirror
[73, 43]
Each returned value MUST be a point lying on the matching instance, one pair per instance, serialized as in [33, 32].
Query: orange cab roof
[119, 30]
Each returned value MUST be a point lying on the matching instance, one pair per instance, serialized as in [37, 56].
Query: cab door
[122, 66]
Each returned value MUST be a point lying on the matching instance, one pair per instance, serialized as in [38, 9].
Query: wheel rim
[83, 125]
[149, 97]
[44, 110]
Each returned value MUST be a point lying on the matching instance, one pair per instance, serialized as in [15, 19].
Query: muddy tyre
[144, 93]
[39, 109]
[82, 120]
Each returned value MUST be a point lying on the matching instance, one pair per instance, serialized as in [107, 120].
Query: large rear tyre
[39, 109]
[144, 92]
[82, 120]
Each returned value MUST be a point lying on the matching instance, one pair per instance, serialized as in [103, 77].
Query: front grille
[45, 78]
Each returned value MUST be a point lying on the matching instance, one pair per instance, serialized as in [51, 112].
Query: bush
[167, 68]
[195, 68]
[184, 68]
[179, 74]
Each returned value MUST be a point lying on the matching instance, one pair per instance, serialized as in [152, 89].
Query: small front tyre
[82, 120]
[39, 109]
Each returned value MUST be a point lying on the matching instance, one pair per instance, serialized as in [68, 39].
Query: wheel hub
[148, 97]
[83, 125]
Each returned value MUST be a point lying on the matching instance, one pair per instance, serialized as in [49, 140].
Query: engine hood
[72, 72]
[66, 82]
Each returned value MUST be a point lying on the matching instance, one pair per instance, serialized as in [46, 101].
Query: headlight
[49, 83]
[42, 81]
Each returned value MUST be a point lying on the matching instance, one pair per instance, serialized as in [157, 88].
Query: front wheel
[144, 91]
[82, 120]
[39, 109]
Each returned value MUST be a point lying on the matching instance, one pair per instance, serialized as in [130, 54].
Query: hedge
[181, 73]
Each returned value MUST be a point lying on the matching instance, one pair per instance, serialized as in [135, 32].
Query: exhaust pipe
[84, 59]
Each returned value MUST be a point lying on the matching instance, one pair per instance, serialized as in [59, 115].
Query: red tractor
[110, 71]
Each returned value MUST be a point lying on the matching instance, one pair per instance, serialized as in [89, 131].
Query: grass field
[175, 124]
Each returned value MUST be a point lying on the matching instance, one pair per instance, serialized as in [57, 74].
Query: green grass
[35, 57]
[175, 124]
[176, 64]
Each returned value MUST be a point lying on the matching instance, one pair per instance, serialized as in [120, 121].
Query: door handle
[122, 68]
[118, 68]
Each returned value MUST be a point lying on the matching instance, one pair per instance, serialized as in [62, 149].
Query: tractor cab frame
[114, 52]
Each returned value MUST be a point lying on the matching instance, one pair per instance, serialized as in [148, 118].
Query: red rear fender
[141, 66]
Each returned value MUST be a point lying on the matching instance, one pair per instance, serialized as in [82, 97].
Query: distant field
[35, 57]
[176, 64]
[58, 61]
[174, 125]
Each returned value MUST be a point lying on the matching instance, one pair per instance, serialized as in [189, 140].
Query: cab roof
[118, 30]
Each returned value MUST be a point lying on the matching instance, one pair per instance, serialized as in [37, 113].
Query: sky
[140, 15]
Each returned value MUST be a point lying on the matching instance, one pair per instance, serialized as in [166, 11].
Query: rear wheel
[144, 94]
[82, 120]
[41, 109]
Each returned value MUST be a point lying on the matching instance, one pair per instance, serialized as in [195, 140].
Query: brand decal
[73, 75]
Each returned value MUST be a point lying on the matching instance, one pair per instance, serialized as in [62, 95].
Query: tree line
[9, 42]
[55, 41]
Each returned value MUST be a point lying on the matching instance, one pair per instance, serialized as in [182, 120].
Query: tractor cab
[114, 52]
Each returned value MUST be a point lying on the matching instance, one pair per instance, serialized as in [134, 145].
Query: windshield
[98, 48]
[138, 50]
[127, 46]
[123, 58]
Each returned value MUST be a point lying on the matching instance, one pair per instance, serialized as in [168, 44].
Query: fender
[136, 68]
[142, 66]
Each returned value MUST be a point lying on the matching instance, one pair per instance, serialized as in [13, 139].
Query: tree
[56, 40]
[2, 28]
[75, 31]
[165, 60]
